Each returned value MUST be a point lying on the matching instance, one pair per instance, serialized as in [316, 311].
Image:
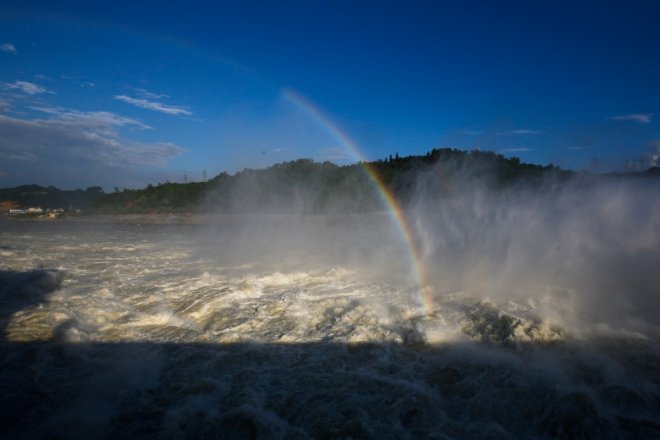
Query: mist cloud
[582, 254]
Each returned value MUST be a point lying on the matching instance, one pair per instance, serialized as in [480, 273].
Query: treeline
[305, 186]
[164, 197]
[26, 196]
[445, 169]
[302, 185]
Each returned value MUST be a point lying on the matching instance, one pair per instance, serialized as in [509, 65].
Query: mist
[309, 218]
[578, 251]
[581, 253]
[522, 308]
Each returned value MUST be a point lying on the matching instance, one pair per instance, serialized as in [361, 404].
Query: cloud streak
[642, 118]
[25, 156]
[27, 87]
[8, 47]
[146, 94]
[90, 119]
[520, 132]
[154, 105]
[515, 150]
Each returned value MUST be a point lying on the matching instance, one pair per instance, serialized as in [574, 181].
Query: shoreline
[132, 219]
[189, 219]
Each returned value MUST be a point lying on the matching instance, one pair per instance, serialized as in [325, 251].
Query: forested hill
[306, 186]
[312, 187]
[26, 196]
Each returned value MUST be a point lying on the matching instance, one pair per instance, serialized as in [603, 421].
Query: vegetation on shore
[302, 186]
[27, 196]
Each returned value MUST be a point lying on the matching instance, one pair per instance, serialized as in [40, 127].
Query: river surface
[120, 331]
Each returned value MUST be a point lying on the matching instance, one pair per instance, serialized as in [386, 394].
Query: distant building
[7, 205]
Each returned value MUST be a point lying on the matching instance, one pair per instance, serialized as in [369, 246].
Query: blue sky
[128, 93]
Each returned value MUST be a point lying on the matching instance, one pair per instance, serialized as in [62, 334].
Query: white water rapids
[115, 331]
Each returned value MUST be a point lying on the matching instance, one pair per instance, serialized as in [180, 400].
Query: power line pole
[204, 175]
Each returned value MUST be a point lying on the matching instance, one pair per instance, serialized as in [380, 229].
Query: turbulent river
[120, 331]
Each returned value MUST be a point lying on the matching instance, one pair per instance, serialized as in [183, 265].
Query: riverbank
[147, 219]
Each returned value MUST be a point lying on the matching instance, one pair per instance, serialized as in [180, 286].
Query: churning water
[116, 331]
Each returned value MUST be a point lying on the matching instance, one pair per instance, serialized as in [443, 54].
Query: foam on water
[138, 334]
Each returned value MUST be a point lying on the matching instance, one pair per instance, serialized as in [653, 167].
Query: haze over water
[542, 323]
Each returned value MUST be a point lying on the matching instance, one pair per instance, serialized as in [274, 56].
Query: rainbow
[394, 209]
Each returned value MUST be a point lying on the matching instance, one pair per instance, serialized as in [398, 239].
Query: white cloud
[4, 105]
[153, 105]
[520, 132]
[27, 87]
[25, 156]
[91, 119]
[642, 118]
[146, 94]
[77, 147]
[8, 47]
[515, 150]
